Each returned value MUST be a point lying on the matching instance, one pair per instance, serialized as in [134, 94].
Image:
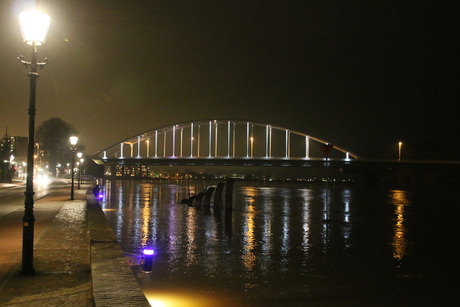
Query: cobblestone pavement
[77, 259]
[61, 261]
[113, 281]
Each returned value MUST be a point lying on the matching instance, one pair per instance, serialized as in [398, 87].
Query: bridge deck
[281, 162]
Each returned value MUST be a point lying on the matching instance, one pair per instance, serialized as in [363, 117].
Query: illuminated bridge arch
[222, 139]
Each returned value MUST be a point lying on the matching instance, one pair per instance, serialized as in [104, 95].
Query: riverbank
[77, 259]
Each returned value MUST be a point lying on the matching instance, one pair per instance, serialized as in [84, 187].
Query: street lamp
[399, 151]
[79, 155]
[81, 171]
[34, 27]
[73, 147]
[38, 154]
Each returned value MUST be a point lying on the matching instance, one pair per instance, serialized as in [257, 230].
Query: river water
[290, 244]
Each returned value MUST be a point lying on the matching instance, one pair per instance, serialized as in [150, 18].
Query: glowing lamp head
[148, 252]
[34, 26]
[73, 140]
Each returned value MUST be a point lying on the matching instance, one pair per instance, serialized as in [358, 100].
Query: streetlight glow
[73, 140]
[34, 27]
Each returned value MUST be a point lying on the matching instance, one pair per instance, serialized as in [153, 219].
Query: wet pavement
[65, 275]
[61, 254]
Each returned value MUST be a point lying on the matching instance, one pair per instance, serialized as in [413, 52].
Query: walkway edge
[113, 281]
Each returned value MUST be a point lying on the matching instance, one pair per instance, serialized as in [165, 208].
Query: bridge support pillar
[229, 193]
[218, 195]
[207, 197]
[198, 199]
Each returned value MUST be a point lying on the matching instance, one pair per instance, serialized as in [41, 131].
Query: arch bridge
[222, 142]
[246, 143]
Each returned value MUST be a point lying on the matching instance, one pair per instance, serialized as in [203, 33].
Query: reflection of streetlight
[34, 27]
[79, 155]
[73, 147]
[399, 151]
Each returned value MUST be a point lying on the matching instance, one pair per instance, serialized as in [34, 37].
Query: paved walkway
[77, 259]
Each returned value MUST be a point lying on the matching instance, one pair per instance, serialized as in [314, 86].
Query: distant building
[13, 157]
[20, 147]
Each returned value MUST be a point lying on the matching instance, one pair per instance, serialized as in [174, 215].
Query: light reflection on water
[399, 241]
[275, 248]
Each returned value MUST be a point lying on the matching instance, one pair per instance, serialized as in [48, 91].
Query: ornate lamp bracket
[27, 63]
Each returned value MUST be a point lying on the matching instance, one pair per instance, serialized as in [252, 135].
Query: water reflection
[275, 243]
[286, 231]
[249, 236]
[306, 219]
[347, 227]
[174, 299]
[267, 216]
[191, 246]
[400, 203]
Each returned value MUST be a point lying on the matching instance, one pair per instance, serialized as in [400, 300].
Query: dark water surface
[291, 244]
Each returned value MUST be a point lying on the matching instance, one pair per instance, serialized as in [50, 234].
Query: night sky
[360, 74]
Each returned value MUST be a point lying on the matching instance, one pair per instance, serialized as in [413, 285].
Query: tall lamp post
[399, 151]
[73, 147]
[34, 27]
[79, 155]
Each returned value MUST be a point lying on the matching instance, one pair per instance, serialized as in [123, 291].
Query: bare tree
[53, 136]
